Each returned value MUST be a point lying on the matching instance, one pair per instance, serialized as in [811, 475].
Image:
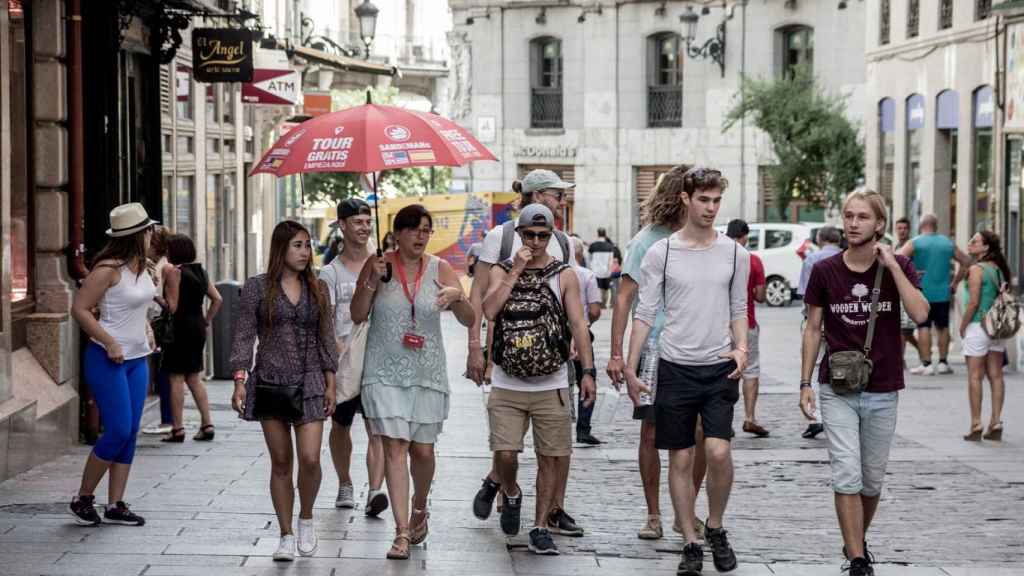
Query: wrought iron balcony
[664, 106]
[546, 108]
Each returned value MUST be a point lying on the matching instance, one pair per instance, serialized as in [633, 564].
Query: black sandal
[177, 436]
[205, 434]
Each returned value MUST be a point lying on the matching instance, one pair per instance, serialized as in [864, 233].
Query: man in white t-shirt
[341, 275]
[501, 243]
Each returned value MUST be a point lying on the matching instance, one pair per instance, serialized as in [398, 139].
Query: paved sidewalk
[949, 508]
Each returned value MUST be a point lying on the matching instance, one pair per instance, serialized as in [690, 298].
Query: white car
[782, 248]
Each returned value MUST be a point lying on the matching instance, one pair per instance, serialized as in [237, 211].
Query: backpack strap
[875, 293]
[735, 249]
[664, 270]
[508, 236]
[563, 242]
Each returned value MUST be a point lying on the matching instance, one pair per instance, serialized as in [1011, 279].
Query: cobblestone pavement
[949, 508]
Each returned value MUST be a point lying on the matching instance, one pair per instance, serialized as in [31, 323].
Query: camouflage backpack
[531, 335]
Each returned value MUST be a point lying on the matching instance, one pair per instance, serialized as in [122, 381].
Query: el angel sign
[222, 54]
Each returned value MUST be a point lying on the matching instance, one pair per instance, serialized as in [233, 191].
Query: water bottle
[649, 372]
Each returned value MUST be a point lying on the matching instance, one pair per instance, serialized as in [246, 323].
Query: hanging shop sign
[316, 104]
[273, 80]
[222, 54]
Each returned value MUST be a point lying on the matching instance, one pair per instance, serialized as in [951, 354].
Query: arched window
[664, 80]
[914, 121]
[546, 82]
[886, 147]
[985, 197]
[947, 135]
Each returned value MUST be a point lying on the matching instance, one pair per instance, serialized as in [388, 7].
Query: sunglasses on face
[529, 236]
[558, 194]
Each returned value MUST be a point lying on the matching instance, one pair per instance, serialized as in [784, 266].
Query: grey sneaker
[346, 498]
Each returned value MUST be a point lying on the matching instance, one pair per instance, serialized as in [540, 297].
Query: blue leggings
[120, 393]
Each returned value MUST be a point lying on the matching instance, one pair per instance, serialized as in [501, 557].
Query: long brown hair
[279, 241]
[995, 252]
[124, 250]
[664, 206]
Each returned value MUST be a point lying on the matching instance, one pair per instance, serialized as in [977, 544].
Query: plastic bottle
[649, 372]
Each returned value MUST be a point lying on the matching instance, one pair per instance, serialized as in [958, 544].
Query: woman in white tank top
[115, 361]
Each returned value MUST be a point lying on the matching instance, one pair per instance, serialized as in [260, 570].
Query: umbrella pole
[376, 212]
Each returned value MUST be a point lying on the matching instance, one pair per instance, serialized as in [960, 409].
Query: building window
[915, 123]
[185, 145]
[945, 14]
[19, 233]
[213, 146]
[913, 18]
[183, 195]
[982, 9]
[167, 202]
[227, 103]
[886, 148]
[229, 146]
[546, 81]
[797, 49]
[215, 213]
[665, 81]
[211, 105]
[985, 200]
[183, 92]
[883, 24]
[947, 126]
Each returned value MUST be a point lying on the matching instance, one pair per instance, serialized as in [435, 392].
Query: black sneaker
[559, 522]
[84, 510]
[692, 562]
[541, 542]
[721, 551]
[120, 514]
[860, 567]
[587, 438]
[813, 430]
[510, 514]
[484, 499]
[867, 554]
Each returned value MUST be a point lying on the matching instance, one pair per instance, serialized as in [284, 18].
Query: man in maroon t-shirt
[739, 231]
[859, 426]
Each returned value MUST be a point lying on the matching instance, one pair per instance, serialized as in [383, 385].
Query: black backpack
[531, 335]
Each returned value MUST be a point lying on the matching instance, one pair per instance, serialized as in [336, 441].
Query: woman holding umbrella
[405, 382]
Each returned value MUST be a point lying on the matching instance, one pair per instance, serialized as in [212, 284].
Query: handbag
[163, 328]
[850, 370]
[350, 366]
[282, 398]
[1002, 320]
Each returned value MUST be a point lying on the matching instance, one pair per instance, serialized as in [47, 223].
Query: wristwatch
[592, 372]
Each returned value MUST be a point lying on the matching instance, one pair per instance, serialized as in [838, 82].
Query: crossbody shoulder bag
[282, 397]
[850, 370]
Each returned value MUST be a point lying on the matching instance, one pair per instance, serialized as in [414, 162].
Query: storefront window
[183, 205]
[1014, 183]
[886, 147]
[915, 123]
[183, 92]
[985, 201]
[20, 185]
[214, 229]
[947, 124]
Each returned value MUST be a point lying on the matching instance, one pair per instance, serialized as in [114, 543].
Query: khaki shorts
[511, 412]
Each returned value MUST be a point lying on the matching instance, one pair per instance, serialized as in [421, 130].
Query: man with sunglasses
[542, 187]
[534, 302]
[699, 276]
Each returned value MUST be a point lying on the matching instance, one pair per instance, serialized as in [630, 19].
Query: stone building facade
[606, 93]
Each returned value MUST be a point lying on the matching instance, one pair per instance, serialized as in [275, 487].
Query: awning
[343, 63]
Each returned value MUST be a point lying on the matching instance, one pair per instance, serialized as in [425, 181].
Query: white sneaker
[346, 498]
[307, 537]
[923, 370]
[376, 502]
[159, 430]
[944, 368]
[285, 549]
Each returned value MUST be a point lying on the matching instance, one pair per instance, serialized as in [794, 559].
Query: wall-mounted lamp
[542, 18]
[583, 15]
[660, 10]
[471, 19]
[713, 48]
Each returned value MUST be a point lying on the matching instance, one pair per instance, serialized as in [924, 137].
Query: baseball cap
[536, 215]
[351, 207]
[541, 179]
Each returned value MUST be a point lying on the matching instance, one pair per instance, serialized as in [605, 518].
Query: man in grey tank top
[341, 275]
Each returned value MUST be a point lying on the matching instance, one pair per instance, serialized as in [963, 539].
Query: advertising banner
[222, 54]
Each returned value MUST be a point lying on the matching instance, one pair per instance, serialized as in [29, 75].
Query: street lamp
[713, 48]
[367, 14]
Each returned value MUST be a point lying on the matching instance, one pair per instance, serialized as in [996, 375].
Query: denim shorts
[860, 428]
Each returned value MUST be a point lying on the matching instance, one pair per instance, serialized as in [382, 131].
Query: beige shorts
[511, 412]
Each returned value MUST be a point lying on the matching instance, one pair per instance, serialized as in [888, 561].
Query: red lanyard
[405, 282]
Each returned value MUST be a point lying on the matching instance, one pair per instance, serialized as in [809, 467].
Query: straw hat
[127, 219]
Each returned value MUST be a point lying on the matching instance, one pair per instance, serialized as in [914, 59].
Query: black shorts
[604, 283]
[345, 412]
[938, 316]
[685, 392]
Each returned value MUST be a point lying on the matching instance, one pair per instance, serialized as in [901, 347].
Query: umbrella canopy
[371, 138]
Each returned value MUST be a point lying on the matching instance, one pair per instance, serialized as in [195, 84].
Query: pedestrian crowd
[364, 336]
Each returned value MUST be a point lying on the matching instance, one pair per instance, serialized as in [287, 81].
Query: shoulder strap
[563, 242]
[664, 270]
[874, 308]
[735, 255]
[508, 236]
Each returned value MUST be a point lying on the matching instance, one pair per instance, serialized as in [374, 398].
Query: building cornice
[978, 33]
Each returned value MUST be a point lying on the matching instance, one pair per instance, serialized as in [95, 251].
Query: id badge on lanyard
[411, 339]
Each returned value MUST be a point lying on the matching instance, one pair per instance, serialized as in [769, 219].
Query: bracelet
[805, 384]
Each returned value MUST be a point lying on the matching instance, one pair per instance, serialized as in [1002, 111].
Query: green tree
[820, 155]
[333, 187]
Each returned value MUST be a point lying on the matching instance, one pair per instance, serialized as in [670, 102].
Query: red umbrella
[368, 139]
